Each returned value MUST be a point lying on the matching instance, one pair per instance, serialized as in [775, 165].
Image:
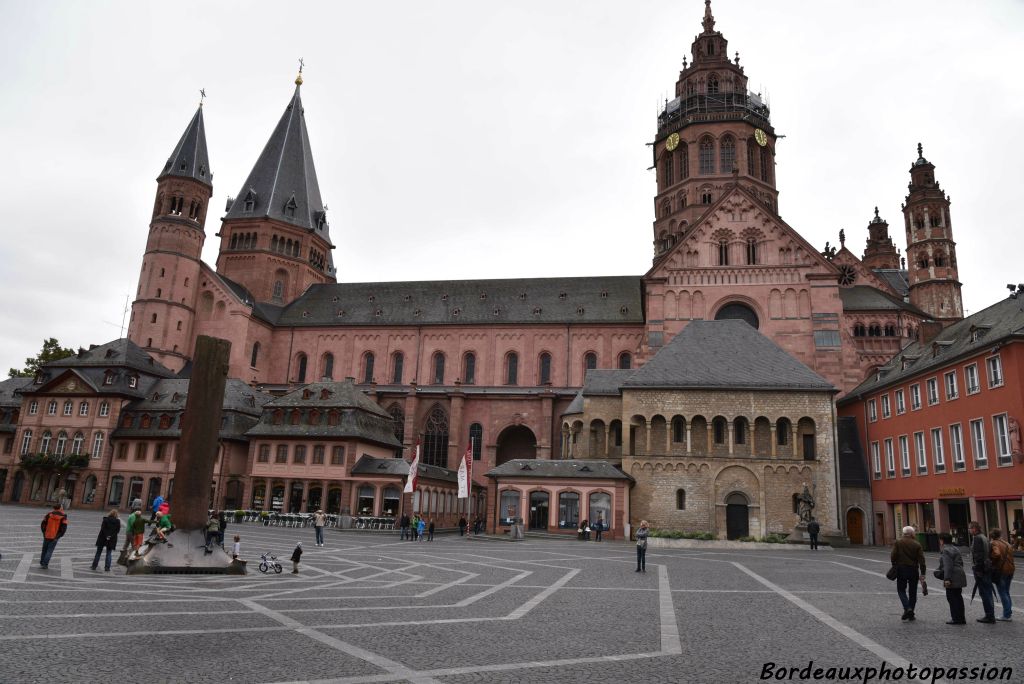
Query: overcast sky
[482, 139]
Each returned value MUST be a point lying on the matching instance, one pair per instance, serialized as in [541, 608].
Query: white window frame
[97, 444]
[932, 385]
[956, 445]
[915, 397]
[33, 407]
[876, 461]
[922, 455]
[890, 459]
[886, 406]
[994, 367]
[971, 374]
[83, 409]
[51, 408]
[26, 442]
[978, 443]
[872, 410]
[937, 454]
[950, 383]
[901, 403]
[905, 455]
[1001, 438]
[69, 407]
[104, 409]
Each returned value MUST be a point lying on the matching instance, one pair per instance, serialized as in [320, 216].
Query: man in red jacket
[54, 525]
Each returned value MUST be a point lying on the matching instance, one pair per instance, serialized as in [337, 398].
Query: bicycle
[268, 561]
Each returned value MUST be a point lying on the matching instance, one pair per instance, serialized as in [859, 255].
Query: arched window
[62, 440]
[707, 156]
[255, 354]
[76, 443]
[712, 79]
[874, 330]
[300, 375]
[723, 252]
[469, 368]
[116, 490]
[278, 289]
[368, 367]
[44, 443]
[683, 153]
[766, 165]
[397, 367]
[740, 427]
[782, 429]
[476, 439]
[97, 445]
[625, 361]
[680, 499]
[727, 154]
[435, 438]
[589, 361]
[438, 366]
[328, 365]
[751, 251]
[678, 429]
[719, 426]
[890, 331]
[859, 330]
[668, 167]
[545, 369]
[568, 510]
[706, 197]
[511, 368]
[752, 158]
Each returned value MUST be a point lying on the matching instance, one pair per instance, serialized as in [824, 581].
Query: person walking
[136, 527]
[954, 579]
[981, 565]
[908, 559]
[296, 556]
[403, 527]
[319, 521]
[462, 526]
[813, 528]
[1003, 568]
[107, 539]
[642, 533]
[53, 526]
[421, 527]
[62, 498]
[430, 530]
[598, 529]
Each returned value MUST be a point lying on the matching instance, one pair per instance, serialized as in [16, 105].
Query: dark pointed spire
[282, 184]
[709, 19]
[189, 158]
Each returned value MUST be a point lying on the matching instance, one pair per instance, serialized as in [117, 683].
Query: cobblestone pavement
[368, 608]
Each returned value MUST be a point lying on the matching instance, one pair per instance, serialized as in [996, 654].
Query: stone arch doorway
[737, 516]
[855, 525]
[516, 441]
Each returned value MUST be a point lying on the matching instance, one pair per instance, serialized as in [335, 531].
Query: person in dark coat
[107, 539]
[954, 579]
[222, 524]
[296, 556]
[813, 528]
[462, 526]
[403, 527]
[908, 559]
[981, 565]
[642, 533]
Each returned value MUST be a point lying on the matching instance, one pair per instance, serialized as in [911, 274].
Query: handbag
[891, 574]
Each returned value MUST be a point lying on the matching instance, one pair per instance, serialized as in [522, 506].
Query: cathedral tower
[275, 239]
[713, 133]
[931, 252]
[880, 252]
[163, 313]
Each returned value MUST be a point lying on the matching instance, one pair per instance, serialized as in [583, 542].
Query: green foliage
[54, 462]
[677, 534]
[51, 351]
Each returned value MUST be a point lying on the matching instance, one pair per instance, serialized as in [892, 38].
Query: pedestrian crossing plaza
[367, 607]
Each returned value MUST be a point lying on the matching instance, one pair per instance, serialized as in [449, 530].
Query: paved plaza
[368, 608]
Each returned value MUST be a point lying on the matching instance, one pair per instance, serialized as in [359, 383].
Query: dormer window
[108, 378]
[184, 165]
[202, 170]
[133, 381]
[250, 201]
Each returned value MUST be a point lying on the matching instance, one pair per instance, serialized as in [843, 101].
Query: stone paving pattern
[368, 608]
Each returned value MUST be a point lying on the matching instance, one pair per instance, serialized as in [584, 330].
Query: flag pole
[470, 485]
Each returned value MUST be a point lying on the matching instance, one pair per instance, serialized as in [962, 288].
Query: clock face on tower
[760, 137]
[672, 142]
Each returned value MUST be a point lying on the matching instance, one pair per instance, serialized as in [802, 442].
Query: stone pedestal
[183, 554]
[799, 535]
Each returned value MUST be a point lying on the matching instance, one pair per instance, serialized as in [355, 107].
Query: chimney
[928, 331]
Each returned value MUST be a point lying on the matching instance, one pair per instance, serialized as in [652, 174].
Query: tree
[52, 351]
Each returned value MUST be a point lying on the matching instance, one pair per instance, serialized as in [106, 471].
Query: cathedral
[699, 395]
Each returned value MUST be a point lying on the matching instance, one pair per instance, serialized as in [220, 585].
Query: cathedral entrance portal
[737, 517]
[516, 441]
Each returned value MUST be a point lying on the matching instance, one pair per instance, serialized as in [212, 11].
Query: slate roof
[262, 310]
[727, 354]
[867, 298]
[1003, 319]
[604, 300]
[896, 278]
[853, 468]
[284, 174]
[576, 468]
[605, 382]
[9, 391]
[370, 465]
[189, 158]
[575, 406]
[123, 357]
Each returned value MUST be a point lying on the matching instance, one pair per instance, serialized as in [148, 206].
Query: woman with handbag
[908, 562]
[642, 533]
[107, 539]
[954, 579]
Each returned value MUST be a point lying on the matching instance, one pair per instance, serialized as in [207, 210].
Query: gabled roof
[897, 279]
[604, 381]
[370, 465]
[323, 395]
[9, 391]
[283, 185]
[1003, 319]
[120, 353]
[123, 359]
[188, 158]
[607, 299]
[590, 469]
[727, 354]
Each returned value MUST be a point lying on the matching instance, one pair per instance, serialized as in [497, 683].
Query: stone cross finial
[920, 151]
[202, 96]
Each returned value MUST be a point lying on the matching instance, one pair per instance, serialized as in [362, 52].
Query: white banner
[463, 480]
[414, 471]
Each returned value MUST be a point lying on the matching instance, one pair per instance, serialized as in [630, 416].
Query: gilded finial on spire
[298, 79]
[709, 19]
[202, 96]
